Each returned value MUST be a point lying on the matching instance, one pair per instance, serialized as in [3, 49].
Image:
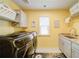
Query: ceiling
[45, 4]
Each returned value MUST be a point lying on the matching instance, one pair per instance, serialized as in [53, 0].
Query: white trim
[48, 50]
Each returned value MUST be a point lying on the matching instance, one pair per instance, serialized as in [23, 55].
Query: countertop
[74, 39]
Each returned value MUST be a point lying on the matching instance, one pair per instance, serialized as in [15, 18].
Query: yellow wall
[50, 41]
[5, 27]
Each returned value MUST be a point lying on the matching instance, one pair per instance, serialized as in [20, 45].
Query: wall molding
[48, 50]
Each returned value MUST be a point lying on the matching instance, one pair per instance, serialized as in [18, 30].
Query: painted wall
[50, 41]
[5, 27]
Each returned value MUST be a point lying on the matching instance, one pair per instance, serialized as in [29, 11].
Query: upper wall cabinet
[7, 13]
[74, 10]
[22, 17]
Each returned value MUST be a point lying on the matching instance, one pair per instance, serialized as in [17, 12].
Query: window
[44, 25]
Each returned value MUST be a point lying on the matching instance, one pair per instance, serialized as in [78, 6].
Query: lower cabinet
[75, 50]
[61, 43]
[67, 49]
[65, 46]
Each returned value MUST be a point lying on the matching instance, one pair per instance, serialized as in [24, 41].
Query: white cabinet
[74, 10]
[61, 44]
[7, 13]
[22, 18]
[68, 47]
[75, 50]
[65, 46]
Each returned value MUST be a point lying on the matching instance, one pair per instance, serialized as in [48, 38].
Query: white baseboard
[48, 50]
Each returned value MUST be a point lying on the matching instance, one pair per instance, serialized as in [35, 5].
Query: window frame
[48, 27]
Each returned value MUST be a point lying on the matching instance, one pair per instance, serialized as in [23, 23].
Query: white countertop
[75, 40]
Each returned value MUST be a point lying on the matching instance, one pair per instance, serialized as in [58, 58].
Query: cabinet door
[7, 13]
[75, 53]
[23, 20]
[61, 43]
[75, 50]
[67, 47]
[75, 9]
